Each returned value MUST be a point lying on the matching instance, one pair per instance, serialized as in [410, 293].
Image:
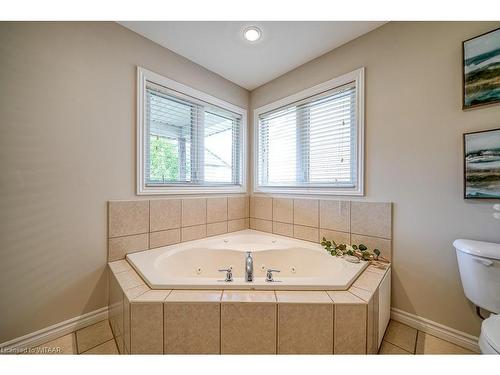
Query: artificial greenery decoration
[360, 251]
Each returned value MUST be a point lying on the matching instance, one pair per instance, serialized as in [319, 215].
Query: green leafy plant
[164, 160]
[360, 251]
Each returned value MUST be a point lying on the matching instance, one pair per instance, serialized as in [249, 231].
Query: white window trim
[357, 76]
[144, 75]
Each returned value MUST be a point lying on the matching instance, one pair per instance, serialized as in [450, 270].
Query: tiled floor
[95, 339]
[398, 339]
[402, 339]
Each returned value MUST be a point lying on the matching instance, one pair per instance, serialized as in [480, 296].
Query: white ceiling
[219, 46]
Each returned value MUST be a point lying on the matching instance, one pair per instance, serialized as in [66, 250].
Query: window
[188, 141]
[312, 142]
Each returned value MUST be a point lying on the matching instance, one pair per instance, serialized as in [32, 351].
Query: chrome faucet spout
[249, 267]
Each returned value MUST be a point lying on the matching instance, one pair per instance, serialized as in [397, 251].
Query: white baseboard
[53, 332]
[435, 329]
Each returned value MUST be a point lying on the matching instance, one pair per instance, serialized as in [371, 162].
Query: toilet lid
[491, 331]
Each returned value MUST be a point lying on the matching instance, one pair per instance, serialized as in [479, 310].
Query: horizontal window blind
[189, 141]
[311, 143]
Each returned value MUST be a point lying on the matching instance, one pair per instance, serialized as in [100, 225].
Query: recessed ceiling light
[252, 33]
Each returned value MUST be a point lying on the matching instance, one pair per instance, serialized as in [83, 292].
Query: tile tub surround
[424, 344]
[146, 224]
[148, 321]
[307, 219]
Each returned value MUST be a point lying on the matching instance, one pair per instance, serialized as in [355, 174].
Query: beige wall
[414, 126]
[67, 146]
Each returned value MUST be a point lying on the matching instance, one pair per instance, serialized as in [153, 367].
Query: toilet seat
[490, 333]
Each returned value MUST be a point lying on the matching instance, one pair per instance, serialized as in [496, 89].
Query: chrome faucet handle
[229, 274]
[269, 275]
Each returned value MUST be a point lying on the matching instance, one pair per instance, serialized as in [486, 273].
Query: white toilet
[479, 265]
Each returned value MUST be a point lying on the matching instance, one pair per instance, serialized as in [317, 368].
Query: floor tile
[109, 347]
[93, 335]
[428, 344]
[401, 335]
[388, 348]
[62, 345]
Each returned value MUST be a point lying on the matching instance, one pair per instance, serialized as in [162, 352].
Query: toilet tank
[479, 265]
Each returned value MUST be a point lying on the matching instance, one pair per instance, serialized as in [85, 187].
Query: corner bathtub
[195, 264]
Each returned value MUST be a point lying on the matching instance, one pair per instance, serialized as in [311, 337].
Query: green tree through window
[164, 165]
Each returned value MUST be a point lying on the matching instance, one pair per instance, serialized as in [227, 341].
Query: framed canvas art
[481, 70]
[482, 164]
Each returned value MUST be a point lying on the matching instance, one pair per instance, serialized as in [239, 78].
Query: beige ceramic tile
[129, 279]
[126, 327]
[428, 344]
[119, 247]
[146, 328]
[372, 324]
[93, 335]
[153, 295]
[261, 208]
[401, 335]
[194, 296]
[165, 214]
[248, 328]
[108, 347]
[308, 297]
[338, 237]
[261, 296]
[305, 212]
[283, 229]
[339, 296]
[305, 328]
[130, 295]
[135, 292]
[379, 267]
[119, 266]
[335, 215]
[214, 229]
[306, 233]
[364, 294]
[350, 329]
[115, 308]
[371, 219]
[193, 233]
[236, 225]
[128, 217]
[194, 211]
[368, 281]
[261, 225]
[164, 238]
[62, 345]
[216, 209]
[237, 208]
[283, 210]
[373, 243]
[388, 348]
[192, 328]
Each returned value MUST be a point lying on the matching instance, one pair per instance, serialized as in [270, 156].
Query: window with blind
[188, 140]
[312, 142]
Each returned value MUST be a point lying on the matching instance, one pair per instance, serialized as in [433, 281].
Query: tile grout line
[395, 345]
[102, 343]
[416, 340]
[76, 336]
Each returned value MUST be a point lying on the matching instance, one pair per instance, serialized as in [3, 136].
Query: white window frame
[357, 76]
[144, 75]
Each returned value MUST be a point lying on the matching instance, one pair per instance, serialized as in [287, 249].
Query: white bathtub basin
[194, 264]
